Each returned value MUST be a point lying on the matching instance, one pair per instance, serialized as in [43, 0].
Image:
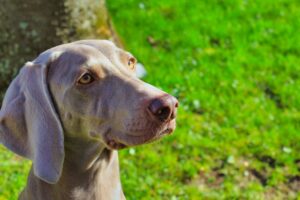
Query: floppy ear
[29, 125]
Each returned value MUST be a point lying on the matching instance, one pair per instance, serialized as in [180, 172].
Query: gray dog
[70, 109]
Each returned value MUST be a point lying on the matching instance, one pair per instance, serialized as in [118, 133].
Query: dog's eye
[131, 63]
[86, 79]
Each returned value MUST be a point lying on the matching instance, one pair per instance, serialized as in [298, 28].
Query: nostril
[176, 104]
[160, 109]
[163, 113]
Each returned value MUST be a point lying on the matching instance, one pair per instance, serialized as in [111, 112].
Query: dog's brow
[92, 61]
[100, 65]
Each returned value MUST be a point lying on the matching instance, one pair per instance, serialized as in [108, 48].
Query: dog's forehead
[79, 53]
[117, 56]
[75, 58]
[106, 55]
[70, 59]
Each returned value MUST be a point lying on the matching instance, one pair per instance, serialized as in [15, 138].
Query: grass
[234, 66]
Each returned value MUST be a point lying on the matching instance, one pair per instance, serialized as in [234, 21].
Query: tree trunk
[29, 27]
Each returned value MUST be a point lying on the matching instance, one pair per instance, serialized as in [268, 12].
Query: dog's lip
[113, 141]
[113, 144]
[169, 128]
[167, 131]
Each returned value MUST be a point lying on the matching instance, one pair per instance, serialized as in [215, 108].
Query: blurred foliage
[234, 66]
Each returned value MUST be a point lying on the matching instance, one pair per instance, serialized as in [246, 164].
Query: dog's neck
[90, 172]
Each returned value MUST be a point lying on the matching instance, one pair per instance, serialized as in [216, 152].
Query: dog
[71, 109]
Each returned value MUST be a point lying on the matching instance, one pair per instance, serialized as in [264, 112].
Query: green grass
[235, 67]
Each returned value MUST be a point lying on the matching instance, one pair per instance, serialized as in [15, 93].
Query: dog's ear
[29, 124]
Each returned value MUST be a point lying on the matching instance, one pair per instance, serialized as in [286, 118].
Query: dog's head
[87, 90]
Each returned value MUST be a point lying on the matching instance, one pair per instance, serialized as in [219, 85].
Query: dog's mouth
[117, 140]
[113, 144]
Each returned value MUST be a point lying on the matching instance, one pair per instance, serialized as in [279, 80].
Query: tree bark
[29, 27]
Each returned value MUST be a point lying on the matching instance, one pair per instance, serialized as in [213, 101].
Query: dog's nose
[164, 108]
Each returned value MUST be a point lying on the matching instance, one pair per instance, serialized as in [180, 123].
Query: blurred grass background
[234, 66]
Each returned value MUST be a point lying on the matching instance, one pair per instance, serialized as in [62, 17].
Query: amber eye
[86, 79]
[131, 63]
